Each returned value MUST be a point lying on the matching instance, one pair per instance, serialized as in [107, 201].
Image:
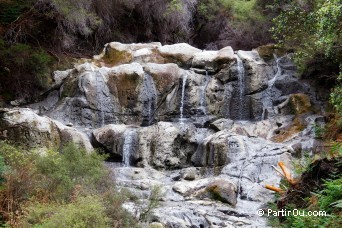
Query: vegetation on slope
[318, 189]
[67, 188]
[313, 30]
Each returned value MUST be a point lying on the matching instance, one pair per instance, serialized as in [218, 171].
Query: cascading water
[182, 98]
[128, 147]
[241, 85]
[203, 103]
[268, 100]
[149, 94]
[278, 73]
[99, 80]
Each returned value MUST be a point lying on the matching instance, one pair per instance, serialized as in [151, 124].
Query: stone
[189, 173]
[181, 53]
[156, 225]
[117, 53]
[24, 127]
[213, 59]
[256, 71]
[167, 150]
[268, 51]
[296, 104]
[214, 188]
[60, 76]
[223, 191]
[111, 138]
[69, 134]
[221, 124]
[165, 77]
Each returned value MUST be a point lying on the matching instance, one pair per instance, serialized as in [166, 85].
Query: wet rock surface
[204, 126]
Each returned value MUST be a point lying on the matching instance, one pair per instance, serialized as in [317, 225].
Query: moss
[267, 51]
[126, 87]
[69, 88]
[215, 194]
[300, 103]
[286, 133]
[114, 57]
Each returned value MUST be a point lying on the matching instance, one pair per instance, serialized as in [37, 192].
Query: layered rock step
[204, 126]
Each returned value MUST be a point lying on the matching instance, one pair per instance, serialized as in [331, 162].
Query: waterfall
[182, 98]
[203, 103]
[149, 94]
[270, 92]
[99, 75]
[272, 81]
[241, 85]
[128, 147]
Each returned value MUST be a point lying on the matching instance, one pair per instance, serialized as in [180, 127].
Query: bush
[24, 70]
[317, 190]
[69, 188]
[312, 28]
[10, 10]
[237, 23]
[71, 167]
[88, 211]
[336, 96]
[327, 200]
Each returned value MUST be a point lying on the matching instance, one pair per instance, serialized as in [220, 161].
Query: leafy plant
[312, 28]
[87, 211]
[152, 203]
[24, 69]
[62, 188]
[336, 96]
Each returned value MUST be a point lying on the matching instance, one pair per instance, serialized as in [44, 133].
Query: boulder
[156, 225]
[296, 104]
[166, 79]
[256, 71]
[111, 138]
[169, 147]
[116, 53]
[70, 134]
[164, 75]
[221, 124]
[268, 51]
[223, 191]
[181, 53]
[189, 174]
[24, 127]
[213, 59]
[213, 188]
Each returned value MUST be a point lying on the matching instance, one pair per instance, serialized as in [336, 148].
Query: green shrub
[66, 188]
[10, 10]
[336, 95]
[88, 211]
[68, 168]
[2, 169]
[328, 198]
[153, 202]
[24, 70]
[312, 28]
